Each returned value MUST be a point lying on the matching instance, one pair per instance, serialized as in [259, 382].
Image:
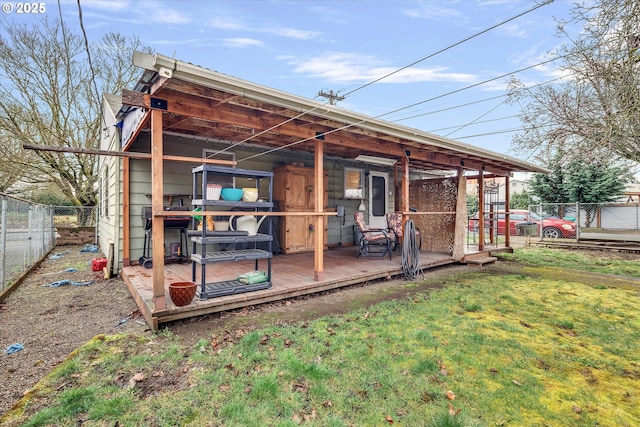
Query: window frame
[353, 193]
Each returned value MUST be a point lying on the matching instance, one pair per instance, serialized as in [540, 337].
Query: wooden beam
[507, 201]
[129, 154]
[126, 203]
[318, 263]
[461, 217]
[480, 210]
[404, 204]
[157, 203]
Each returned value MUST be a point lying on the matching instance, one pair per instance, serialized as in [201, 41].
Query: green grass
[576, 260]
[515, 350]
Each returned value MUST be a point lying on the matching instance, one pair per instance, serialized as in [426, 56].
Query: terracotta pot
[182, 293]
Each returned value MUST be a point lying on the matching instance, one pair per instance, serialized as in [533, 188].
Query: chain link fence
[28, 233]
[574, 221]
[597, 221]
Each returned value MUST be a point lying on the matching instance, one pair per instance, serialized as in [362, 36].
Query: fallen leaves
[139, 377]
[453, 411]
[450, 395]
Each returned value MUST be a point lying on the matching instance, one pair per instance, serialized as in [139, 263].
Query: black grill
[180, 222]
[169, 222]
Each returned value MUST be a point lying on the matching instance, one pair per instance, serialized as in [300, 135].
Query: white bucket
[213, 191]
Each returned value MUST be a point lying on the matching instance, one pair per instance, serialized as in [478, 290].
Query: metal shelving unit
[203, 258]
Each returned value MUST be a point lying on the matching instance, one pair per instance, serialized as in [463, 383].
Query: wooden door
[296, 189]
[295, 230]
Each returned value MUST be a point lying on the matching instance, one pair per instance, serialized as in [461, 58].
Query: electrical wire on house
[411, 266]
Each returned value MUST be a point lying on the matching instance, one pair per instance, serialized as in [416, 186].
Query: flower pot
[182, 293]
[221, 225]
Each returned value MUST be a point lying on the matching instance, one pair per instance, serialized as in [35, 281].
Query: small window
[104, 190]
[353, 183]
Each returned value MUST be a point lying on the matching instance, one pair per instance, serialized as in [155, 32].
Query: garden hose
[411, 253]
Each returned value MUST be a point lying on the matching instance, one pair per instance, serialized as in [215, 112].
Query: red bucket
[98, 264]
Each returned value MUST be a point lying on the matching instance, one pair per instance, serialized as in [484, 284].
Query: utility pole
[332, 97]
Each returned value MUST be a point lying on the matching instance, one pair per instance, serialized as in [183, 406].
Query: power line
[476, 123]
[466, 39]
[86, 45]
[406, 107]
[332, 97]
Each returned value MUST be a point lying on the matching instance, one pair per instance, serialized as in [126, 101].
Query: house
[182, 118]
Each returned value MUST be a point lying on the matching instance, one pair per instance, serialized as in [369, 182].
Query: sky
[447, 69]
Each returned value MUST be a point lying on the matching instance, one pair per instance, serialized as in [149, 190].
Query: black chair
[373, 241]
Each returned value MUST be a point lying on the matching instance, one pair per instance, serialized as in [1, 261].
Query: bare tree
[51, 95]
[595, 109]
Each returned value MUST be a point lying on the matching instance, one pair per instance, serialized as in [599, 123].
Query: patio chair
[394, 222]
[373, 241]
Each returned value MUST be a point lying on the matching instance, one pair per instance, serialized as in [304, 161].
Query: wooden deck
[292, 276]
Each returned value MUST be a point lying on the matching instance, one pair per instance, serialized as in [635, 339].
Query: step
[480, 261]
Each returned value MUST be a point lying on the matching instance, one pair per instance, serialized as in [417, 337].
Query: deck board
[292, 276]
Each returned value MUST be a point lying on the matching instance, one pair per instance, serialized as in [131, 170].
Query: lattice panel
[435, 195]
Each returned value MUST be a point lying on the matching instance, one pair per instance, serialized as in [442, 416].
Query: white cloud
[131, 12]
[513, 30]
[433, 10]
[344, 68]
[241, 42]
[168, 16]
[293, 33]
[226, 23]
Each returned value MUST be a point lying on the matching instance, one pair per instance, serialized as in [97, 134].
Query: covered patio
[178, 110]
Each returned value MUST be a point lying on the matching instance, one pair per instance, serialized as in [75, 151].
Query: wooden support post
[126, 203]
[318, 263]
[481, 210]
[507, 201]
[461, 217]
[405, 185]
[157, 202]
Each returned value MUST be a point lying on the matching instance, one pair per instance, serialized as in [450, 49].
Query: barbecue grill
[180, 223]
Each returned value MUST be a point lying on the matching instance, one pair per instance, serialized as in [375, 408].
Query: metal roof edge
[209, 78]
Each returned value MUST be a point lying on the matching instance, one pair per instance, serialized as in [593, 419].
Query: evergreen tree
[520, 200]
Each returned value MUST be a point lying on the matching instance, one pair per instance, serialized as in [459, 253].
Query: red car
[552, 227]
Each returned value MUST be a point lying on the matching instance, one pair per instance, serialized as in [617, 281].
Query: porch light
[376, 160]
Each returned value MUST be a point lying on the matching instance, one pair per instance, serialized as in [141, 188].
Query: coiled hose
[411, 253]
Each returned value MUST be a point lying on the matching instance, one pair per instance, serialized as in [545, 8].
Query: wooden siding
[109, 227]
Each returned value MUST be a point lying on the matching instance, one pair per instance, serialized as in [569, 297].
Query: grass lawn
[514, 346]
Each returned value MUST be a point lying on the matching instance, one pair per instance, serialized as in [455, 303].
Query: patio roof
[209, 104]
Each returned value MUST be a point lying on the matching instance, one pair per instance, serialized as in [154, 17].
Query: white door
[378, 200]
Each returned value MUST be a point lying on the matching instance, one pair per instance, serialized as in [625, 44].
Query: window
[104, 190]
[353, 183]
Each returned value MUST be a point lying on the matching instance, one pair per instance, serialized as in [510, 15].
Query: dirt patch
[50, 322]
[307, 307]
